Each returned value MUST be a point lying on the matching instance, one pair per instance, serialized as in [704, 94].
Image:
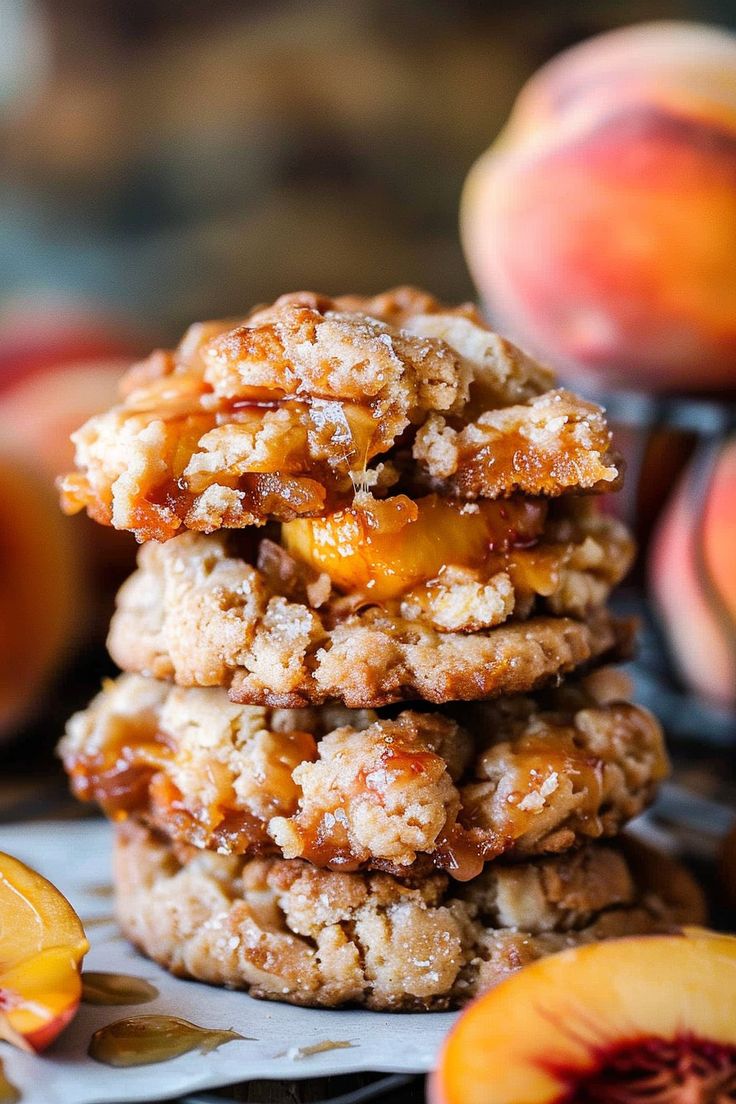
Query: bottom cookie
[289, 931]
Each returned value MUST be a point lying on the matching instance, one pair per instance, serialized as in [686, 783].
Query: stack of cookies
[366, 747]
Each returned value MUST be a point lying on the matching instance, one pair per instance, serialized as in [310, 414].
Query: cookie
[288, 931]
[289, 413]
[274, 631]
[351, 790]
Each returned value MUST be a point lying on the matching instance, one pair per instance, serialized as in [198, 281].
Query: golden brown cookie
[291, 932]
[350, 790]
[305, 402]
[335, 616]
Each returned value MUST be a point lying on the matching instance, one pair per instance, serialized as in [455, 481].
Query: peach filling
[132, 775]
[386, 548]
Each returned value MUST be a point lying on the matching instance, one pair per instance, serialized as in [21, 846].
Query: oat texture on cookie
[368, 746]
[291, 411]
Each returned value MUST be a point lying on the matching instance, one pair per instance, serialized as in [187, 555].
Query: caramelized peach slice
[42, 943]
[384, 548]
[647, 1018]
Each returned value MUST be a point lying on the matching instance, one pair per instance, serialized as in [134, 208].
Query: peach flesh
[594, 1024]
[385, 557]
[42, 943]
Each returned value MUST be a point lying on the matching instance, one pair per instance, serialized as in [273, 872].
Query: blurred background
[163, 161]
[167, 160]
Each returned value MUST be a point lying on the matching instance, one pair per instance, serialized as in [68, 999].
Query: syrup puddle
[296, 1053]
[143, 1040]
[9, 1094]
[99, 890]
[116, 989]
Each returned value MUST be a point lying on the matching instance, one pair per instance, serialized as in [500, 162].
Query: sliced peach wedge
[650, 1018]
[384, 547]
[42, 944]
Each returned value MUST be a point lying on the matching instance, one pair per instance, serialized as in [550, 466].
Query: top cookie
[291, 411]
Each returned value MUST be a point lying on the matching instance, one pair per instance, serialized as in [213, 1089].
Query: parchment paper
[75, 856]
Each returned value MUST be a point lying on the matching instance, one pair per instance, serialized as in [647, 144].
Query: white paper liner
[75, 856]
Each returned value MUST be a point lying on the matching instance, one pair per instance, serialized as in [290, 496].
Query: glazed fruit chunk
[42, 943]
[647, 1018]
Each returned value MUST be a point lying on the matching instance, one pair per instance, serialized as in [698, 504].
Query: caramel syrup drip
[508, 457]
[145, 1040]
[341, 434]
[273, 494]
[325, 839]
[130, 777]
[116, 989]
[463, 852]
[465, 847]
[228, 831]
[119, 776]
[539, 758]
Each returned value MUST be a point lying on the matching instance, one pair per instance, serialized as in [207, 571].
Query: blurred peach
[601, 225]
[40, 410]
[47, 330]
[42, 601]
[692, 574]
[60, 362]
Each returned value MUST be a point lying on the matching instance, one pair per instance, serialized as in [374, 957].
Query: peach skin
[692, 574]
[601, 225]
[40, 410]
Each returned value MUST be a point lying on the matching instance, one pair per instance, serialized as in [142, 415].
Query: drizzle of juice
[144, 1040]
[116, 989]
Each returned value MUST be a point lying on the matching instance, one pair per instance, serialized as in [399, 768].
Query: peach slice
[363, 549]
[646, 1018]
[42, 944]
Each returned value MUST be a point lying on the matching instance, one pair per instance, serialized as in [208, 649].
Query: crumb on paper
[298, 1052]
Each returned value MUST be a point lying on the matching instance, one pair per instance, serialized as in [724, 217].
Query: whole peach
[692, 574]
[39, 410]
[601, 225]
[59, 365]
[43, 605]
